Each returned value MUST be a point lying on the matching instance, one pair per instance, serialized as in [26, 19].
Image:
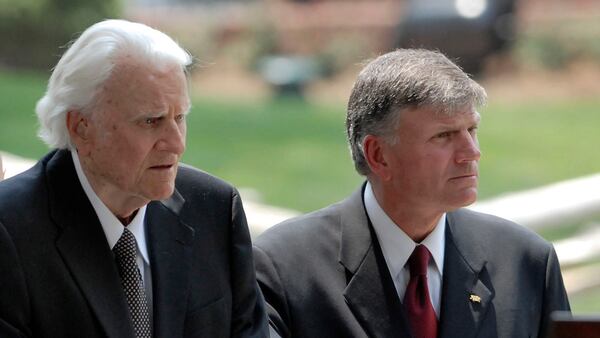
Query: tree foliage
[33, 32]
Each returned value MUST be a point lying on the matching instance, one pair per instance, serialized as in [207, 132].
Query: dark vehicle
[466, 30]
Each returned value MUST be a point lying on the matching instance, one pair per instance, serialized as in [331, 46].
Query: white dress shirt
[113, 228]
[397, 248]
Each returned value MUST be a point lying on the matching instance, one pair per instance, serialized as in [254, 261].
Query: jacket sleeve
[555, 295]
[14, 303]
[249, 317]
[271, 286]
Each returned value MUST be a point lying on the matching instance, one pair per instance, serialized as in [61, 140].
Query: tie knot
[419, 260]
[126, 247]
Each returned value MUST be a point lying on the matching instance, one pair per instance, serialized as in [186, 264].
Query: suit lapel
[170, 252]
[84, 249]
[466, 296]
[370, 293]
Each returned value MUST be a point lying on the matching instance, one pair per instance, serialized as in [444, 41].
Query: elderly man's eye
[150, 120]
[180, 117]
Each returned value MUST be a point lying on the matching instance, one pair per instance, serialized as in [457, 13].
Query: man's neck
[415, 221]
[125, 221]
[123, 206]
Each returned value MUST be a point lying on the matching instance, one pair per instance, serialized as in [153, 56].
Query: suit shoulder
[22, 190]
[496, 231]
[308, 230]
[491, 222]
[190, 180]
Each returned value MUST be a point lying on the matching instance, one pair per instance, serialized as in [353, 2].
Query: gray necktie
[133, 285]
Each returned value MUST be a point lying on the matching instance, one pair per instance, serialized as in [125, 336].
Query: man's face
[433, 164]
[137, 133]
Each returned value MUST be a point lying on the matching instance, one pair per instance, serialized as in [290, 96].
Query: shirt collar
[396, 245]
[113, 228]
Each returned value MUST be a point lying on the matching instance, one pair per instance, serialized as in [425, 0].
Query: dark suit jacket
[58, 277]
[323, 275]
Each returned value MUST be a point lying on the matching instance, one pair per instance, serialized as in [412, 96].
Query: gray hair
[89, 62]
[399, 80]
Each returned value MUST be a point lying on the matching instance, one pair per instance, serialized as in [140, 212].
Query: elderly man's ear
[375, 155]
[79, 128]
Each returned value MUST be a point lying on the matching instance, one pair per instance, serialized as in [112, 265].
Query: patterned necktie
[416, 299]
[131, 279]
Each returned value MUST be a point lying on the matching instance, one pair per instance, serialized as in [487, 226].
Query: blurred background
[272, 77]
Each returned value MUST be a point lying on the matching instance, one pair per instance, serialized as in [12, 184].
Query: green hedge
[556, 44]
[33, 31]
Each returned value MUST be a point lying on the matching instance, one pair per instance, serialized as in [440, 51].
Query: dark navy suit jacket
[58, 277]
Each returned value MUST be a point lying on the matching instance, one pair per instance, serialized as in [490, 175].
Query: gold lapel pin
[475, 298]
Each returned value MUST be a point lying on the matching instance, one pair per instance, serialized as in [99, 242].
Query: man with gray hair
[401, 257]
[107, 235]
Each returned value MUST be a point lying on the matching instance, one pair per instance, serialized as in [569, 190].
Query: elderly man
[400, 257]
[107, 235]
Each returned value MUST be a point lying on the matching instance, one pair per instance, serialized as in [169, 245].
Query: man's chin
[470, 199]
[467, 198]
[160, 193]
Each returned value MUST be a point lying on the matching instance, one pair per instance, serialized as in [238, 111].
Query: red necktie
[416, 299]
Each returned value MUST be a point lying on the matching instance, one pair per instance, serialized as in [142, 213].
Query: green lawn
[527, 145]
[18, 124]
[295, 154]
[586, 302]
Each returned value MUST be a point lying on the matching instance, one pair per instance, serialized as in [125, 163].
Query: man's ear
[374, 152]
[79, 129]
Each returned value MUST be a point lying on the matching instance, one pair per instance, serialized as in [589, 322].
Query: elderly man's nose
[173, 139]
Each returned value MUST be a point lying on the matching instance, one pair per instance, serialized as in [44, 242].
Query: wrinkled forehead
[429, 116]
[129, 74]
[468, 111]
[134, 86]
[440, 110]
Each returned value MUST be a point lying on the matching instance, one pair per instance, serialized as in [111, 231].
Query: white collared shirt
[397, 248]
[113, 228]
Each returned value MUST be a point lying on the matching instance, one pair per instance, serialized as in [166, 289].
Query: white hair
[88, 63]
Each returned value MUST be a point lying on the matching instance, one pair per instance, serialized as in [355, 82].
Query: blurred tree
[33, 31]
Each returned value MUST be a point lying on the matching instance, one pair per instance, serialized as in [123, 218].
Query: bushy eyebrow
[147, 115]
[443, 124]
[155, 114]
[186, 107]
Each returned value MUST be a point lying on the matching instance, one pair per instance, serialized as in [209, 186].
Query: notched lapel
[92, 265]
[170, 251]
[370, 294]
[377, 309]
[479, 300]
[84, 249]
[466, 291]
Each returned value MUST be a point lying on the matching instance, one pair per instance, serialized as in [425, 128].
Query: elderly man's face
[433, 164]
[137, 133]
